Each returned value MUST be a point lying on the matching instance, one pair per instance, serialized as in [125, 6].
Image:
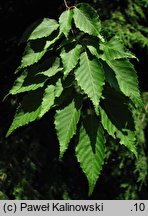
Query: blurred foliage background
[29, 165]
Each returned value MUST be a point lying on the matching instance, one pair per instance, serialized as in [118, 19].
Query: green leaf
[65, 123]
[36, 76]
[127, 79]
[52, 41]
[67, 41]
[90, 77]
[110, 76]
[93, 50]
[55, 67]
[126, 136]
[116, 103]
[114, 49]
[48, 100]
[18, 83]
[58, 88]
[28, 111]
[35, 50]
[44, 29]
[86, 19]
[107, 124]
[70, 58]
[29, 30]
[92, 44]
[117, 118]
[28, 81]
[30, 57]
[65, 22]
[90, 151]
[33, 106]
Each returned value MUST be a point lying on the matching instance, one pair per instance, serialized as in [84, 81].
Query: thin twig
[66, 5]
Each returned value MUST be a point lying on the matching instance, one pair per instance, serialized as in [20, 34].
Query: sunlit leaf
[90, 151]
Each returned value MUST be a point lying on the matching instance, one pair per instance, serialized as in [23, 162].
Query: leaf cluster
[89, 82]
[128, 21]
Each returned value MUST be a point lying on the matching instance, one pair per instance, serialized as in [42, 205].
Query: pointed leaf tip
[87, 20]
[90, 153]
[65, 123]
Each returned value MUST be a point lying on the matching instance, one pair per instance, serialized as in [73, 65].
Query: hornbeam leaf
[51, 72]
[52, 41]
[48, 100]
[90, 77]
[65, 123]
[127, 79]
[126, 136]
[36, 76]
[27, 82]
[110, 76]
[90, 152]
[53, 69]
[107, 124]
[116, 103]
[29, 30]
[18, 83]
[92, 43]
[58, 88]
[67, 41]
[28, 111]
[33, 106]
[93, 50]
[44, 29]
[70, 58]
[30, 57]
[65, 22]
[86, 19]
[114, 49]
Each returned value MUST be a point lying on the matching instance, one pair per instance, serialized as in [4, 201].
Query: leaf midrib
[91, 77]
[86, 18]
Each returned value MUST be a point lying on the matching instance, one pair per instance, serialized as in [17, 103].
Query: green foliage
[70, 58]
[90, 150]
[65, 22]
[39, 29]
[88, 81]
[87, 22]
[127, 79]
[127, 139]
[114, 49]
[66, 121]
[126, 20]
[90, 78]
